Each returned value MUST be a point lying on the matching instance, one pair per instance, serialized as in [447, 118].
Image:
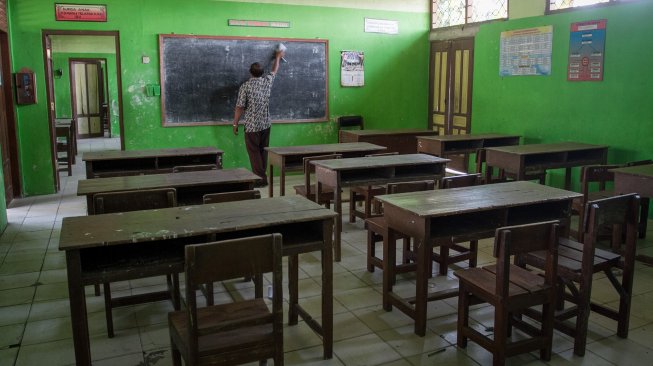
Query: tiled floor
[35, 319]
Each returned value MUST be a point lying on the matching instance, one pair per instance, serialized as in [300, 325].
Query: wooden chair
[377, 231]
[592, 175]
[442, 254]
[231, 196]
[365, 194]
[308, 189]
[193, 168]
[133, 201]
[64, 147]
[511, 289]
[645, 201]
[349, 122]
[579, 261]
[232, 333]
[207, 288]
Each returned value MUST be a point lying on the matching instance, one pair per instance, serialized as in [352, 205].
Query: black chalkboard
[200, 77]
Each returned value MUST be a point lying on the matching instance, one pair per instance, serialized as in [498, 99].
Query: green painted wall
[617, 111]
[396, 71]
[63, 105]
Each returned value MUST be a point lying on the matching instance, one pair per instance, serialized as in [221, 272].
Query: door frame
[12, 135]
[45, 34]
[103, 92]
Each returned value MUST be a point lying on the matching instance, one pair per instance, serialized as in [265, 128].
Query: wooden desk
[374, 170]
[473, 212]
[190, 186]
[637, 179]
[117, 247]
[521, 159]
[446, 145]
[119, 163]
[402, 141]
[291, 158]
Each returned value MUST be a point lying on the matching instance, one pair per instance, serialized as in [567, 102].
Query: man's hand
[236, 129]
[279, 54]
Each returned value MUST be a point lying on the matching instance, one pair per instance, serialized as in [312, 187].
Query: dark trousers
[256, 143]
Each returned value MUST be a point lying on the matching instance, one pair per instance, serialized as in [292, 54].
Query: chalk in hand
[281, 48]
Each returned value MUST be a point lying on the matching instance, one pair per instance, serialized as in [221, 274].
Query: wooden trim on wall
[10, 105]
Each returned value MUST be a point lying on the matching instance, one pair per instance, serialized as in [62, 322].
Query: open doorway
[84, 86]
[89, 97]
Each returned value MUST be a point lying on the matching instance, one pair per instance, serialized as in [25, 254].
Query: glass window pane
[565, 4]
[482, 10]
[448, 12]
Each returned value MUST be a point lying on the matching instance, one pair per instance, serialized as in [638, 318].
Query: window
[567, 4]
[446, 13]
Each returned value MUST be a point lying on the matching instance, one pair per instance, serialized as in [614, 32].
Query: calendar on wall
[526, 51]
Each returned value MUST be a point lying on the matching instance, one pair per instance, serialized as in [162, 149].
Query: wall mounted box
[25, 88]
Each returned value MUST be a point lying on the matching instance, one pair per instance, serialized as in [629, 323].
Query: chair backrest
[617, 210]
[194, 168]
[231, 196]
[600, 174]
[350, 121]
[245, 257]
[458, 181]
[309, 168]
[639, 162]
[134, 200]
[521, 239]
[405, 187]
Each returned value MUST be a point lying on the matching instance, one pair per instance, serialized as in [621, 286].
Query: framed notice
[526, 51]
[381, 26]
[351, 68]
[80, 13]
[586, 51]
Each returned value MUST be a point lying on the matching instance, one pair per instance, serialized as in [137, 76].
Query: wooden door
[87, 96]
[450, 101]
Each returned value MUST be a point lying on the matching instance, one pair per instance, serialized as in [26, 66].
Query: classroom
[469, 129]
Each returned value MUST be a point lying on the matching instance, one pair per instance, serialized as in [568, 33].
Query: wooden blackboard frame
[162, 70]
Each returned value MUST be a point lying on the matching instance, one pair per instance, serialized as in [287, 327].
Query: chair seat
[570, 256]
[255, 335]
[483, 280]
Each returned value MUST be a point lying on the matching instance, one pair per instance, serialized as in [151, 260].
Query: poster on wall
[351, 68]
[526, 51]
[586, 51]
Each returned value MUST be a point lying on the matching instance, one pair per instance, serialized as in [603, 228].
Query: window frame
[466, 17]
[548, 10]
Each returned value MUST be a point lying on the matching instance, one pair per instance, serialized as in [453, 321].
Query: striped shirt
[254, 97]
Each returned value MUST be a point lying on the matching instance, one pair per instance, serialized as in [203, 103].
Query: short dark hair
[256, 70]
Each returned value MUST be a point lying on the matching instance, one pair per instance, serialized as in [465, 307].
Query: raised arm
[277, 57]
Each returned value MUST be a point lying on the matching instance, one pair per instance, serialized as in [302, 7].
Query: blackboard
[200, 77]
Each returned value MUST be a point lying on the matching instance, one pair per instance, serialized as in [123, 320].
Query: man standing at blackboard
[254, 102]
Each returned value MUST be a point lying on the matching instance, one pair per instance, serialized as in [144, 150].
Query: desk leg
[338, 207]
[423, 251]
[389, 258]
[488, 174]
[293, 288]
[282, 178]
[567, 178]
[271, 178]
[78, 314]
[327, 290]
